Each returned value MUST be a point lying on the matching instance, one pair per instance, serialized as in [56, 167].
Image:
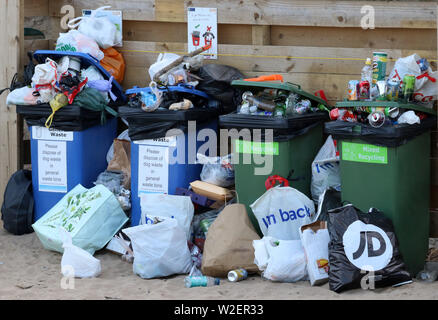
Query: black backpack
[18, 203]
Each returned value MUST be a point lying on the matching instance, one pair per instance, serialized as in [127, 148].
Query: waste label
[153, 169]
[369, 153]
[52, 166]
[253, 147]
[42, 133]
[367, 246]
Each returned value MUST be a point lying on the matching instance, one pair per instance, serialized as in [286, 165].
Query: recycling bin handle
[294, 84]
[271, 181]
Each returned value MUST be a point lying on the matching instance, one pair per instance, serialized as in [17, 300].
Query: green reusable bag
[92, 216]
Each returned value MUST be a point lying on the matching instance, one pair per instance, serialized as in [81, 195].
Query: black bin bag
[18, 203]
[363, 251]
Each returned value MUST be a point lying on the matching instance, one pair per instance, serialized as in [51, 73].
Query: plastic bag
[363, 248]
[114, 63]
[92, 73]
[78, 42]
[163, 60]
[75, 261]
[151, 101]
[24, 96]
[160, 249]
[100, 29]
[217, 170]
[280, 211]
[426, 89]
[155, 205]
[408, 117]
[280, 260]
[325, 170]
[315, 239]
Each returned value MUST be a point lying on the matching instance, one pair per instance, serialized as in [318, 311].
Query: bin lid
[86, 61]
[287, 86]
[385, 104]
[179, 88]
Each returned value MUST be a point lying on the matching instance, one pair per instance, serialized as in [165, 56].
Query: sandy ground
[28, 271]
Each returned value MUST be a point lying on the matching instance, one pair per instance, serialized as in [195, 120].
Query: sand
[28, 271]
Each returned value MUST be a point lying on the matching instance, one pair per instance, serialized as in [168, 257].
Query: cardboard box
[315, 242]
[211, 191]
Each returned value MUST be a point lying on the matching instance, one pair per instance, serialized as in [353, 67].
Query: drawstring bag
[103, 86]
[101, 29]
[92, 99]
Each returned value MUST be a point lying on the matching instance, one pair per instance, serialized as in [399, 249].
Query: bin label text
[253, 147]
[369, 153]
[42, 133]
[52, 166]
[153, 169]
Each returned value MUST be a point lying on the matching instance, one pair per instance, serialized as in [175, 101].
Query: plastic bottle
[202, 281]
[367, 71]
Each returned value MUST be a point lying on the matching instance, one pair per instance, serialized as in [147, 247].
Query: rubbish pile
[318, 215]
[405, 97]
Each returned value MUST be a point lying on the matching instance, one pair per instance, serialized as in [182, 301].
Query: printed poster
[202, 30]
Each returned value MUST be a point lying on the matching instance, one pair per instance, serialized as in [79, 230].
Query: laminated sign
[363, 251]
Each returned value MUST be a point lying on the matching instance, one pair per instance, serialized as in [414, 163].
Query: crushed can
[392, 89]
[353, 87]
[364, 90]
[376, 119]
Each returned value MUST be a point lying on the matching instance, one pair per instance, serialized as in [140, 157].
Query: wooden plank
[33, 45]
[11, 44]
[273, 12]
[153, 31]
[261, 35]
[281, 59]
[33, 8]
[389, 38]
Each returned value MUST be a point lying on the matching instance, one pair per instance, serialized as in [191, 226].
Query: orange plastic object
[114, 63]
[272, 77]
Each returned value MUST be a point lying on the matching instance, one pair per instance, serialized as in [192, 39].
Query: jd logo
[367, 246]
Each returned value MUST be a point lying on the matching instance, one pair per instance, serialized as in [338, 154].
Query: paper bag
[122, 161]
[229, 243]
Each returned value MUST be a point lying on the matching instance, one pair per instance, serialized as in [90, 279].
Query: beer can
[376, 119]
[237, 275]
[408, 86]
[392, 88]
[353, 86]
[380, 60]
[364, 90]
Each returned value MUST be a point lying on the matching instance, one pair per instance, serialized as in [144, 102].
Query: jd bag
[281, 211]
[18, 203]
[363, 251]
[91, 216]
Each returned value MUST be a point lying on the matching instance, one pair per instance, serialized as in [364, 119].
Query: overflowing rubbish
[217, 170]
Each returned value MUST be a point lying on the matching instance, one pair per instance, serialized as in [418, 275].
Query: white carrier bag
[281, 211]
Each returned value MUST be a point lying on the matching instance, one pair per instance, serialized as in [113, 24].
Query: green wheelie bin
[388, 168]
[296, 141]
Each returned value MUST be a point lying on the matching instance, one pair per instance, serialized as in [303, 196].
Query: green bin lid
[287, 86]
[385, 104]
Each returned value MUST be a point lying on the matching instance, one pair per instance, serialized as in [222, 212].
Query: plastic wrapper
[217, 170]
